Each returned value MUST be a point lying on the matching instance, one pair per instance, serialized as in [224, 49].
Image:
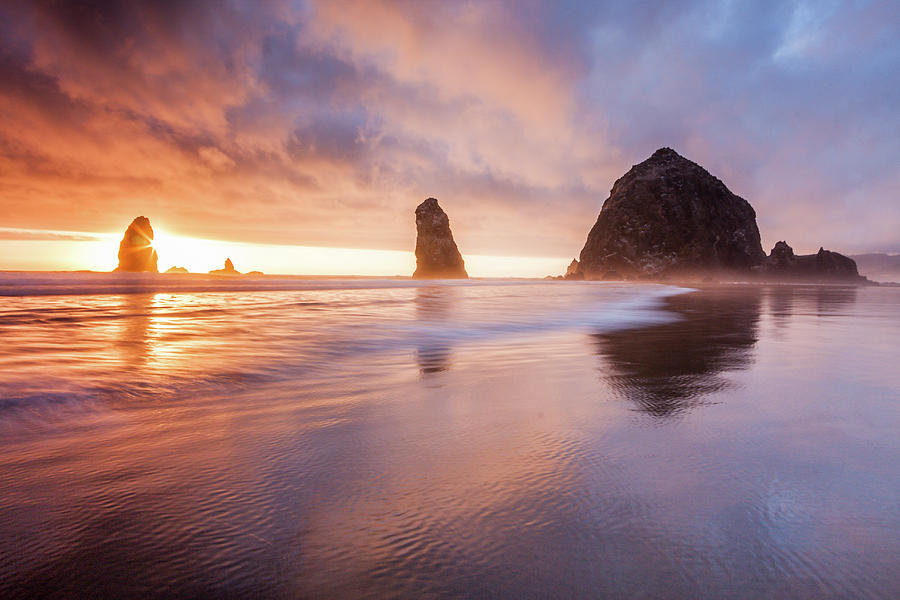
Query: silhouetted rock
[574, 271]
[782, 263]
[136, 252]
[668, 218]
[437, 256]
[781, 259]
[228, 270]
[669, 215]
[254, 274]
[834, 264]
[176, 270]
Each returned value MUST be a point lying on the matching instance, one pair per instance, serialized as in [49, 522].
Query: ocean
[187, 436]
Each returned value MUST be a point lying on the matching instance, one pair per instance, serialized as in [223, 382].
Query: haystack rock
[668, 215]
[782, 263]
[437, 256]
[227, 270]
[136, 252]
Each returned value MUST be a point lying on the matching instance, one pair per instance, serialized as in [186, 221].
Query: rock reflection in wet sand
[434, 304]
[670, 368]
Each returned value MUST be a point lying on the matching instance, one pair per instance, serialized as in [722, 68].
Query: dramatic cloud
[326, 123]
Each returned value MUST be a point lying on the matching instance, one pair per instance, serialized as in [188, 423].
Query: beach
[288, 437]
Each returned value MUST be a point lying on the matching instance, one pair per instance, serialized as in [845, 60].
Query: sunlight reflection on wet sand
[432, 440]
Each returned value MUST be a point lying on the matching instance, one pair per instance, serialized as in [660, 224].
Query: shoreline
[81, 283]
[663, 281]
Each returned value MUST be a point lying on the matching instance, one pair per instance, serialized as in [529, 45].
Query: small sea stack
[136, 252]
[437, 256]
[573, 271]
[227, 270]
[824, 265]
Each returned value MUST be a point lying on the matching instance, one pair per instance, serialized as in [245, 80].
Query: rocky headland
[437, 256]
[669, 218]
[136, 252]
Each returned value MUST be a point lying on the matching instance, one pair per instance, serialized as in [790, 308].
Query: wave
[645, 308]
[189, 343]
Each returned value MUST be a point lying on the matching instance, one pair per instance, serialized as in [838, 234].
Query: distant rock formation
[437, 256]
[782, 263]
[573, 271]
[176, 270]
[136, 252]
[781, 259]
[227, 270]
[668, 215]
[255, 274]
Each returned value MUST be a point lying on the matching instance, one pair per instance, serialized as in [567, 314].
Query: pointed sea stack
[228, 270]
[668, 215]
[136, 252]
[437, 256]
[573, 271]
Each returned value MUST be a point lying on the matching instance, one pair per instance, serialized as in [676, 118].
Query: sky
[300, 136]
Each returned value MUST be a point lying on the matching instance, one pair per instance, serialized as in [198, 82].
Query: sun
[194, 254]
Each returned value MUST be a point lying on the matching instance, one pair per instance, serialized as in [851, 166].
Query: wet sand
[461, 440]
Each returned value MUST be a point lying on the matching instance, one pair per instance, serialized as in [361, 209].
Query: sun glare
[99, 253]
[194, 254]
